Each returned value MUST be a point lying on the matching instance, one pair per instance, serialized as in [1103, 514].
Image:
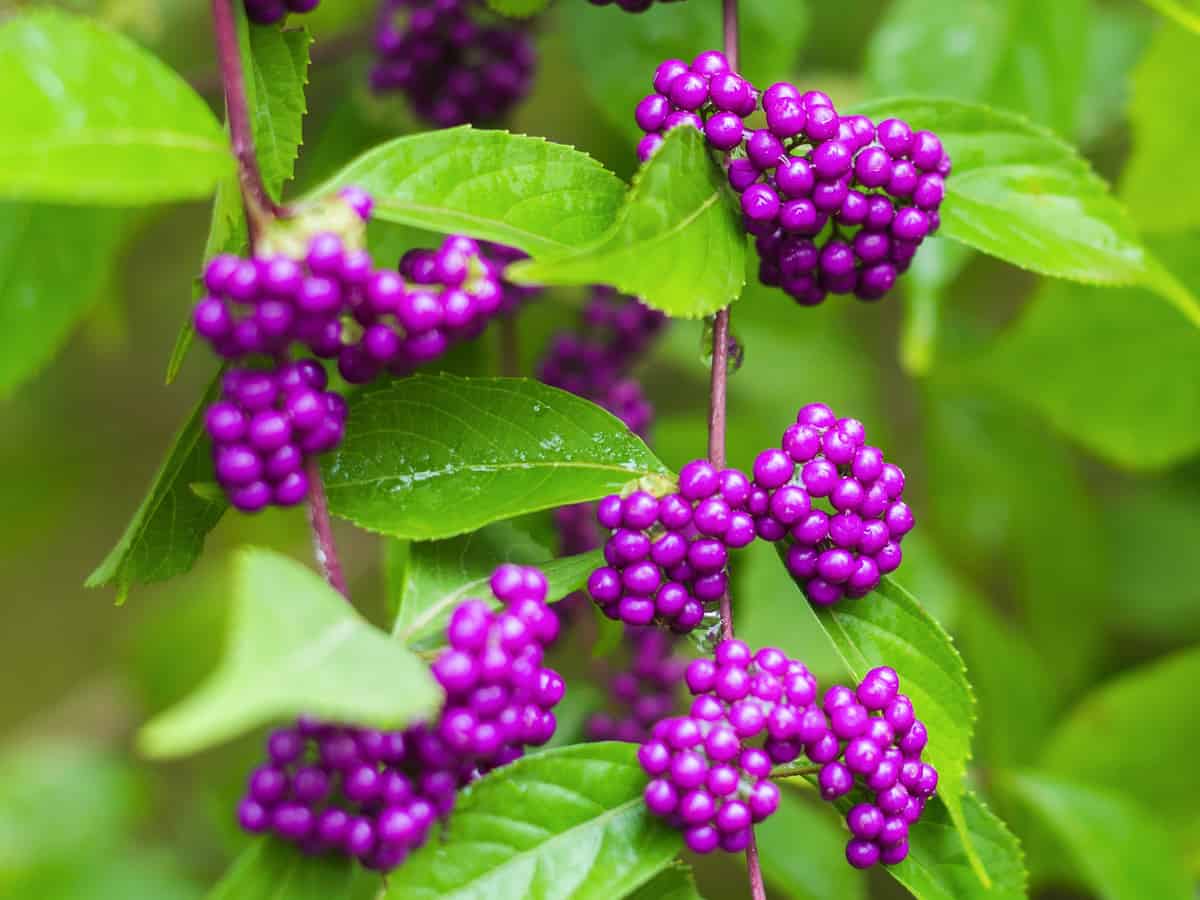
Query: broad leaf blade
[167, 532]
[279, 71]
[1184, 12]
[676, 882]
[431, 457]
[90, 117]
[1119, 848]
[802, 850]
[522, 191]
[566, 824]
[296, 647]
[678, 242]
[270, 869]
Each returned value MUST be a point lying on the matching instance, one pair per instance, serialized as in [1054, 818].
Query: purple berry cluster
[707, 95]
[874, 741]
[666, 557]
[264, 305]
[633, 6]
[268, 12]
[452, 60]
[264, 428]
[844, 550]
[376, 795]
[644, 692]
[710, 770]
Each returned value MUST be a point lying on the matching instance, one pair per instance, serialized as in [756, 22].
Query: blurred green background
[1048, 430]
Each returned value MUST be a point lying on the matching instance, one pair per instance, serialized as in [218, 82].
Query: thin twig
[794, 771]
[322, 529]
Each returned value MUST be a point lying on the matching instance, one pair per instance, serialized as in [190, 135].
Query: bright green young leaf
[90, 117]
[1185, 12]
[802, 851]
[296, 647]
[676, 882]
[1158, 184]
[270, 869]
[431, 457]
[889, 627]
[526, 192]
[618, 53]
[54, 260]
[167, 532]
[1021, 194]
[565, 823]
[438, 575]
[1118, 847]
[1112, 369]
[518, 9]
[677, 243]
[276, 77]
[1103, 741]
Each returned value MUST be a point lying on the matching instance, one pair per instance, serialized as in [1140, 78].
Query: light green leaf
[618, 53]
[1021, 194]
[1158, 183]
[678, 242]
[167, 532]
[676, 882]
[518, 9]
[522, 191]
[438, 575]
[1103, 741]
[1111, 369]
[431, 457]
[272, 870]
[90, 117]
[1185, 12]
[802, 850]
[54, 260]
[565, 823]
[1119, 849]
[276, 76]
[296, 647]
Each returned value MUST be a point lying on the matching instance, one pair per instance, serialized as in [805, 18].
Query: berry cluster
[874, 741]
[707, 95]
[268, 12]
[667, 557]
[264, 427]
[644, 692]
[633, 6]
[452, 65]
[263, 305]
[707, 778]
[843, 551]
[376, 795]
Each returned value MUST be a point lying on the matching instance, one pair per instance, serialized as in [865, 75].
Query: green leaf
[296, 647]
[1103, 741]
[1119, 849]
[167, 532]
[270, 869]
[675, 882]
[565, 823]
[1021, 194]
[436, 456]
[1184, 12]
[518, 9]
[1111, 369]
[440, 574]
[276, 77]
[802, 851]
[90, 117]
[889, 627]
[1158, 184]
[522, 191]
[54, 261]
[618, 53]
[678, 242]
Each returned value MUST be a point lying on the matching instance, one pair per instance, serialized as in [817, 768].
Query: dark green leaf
[676, 882]
[618, 53]
[271, 870]
[522, 191]
[1023, 195]
[277, 74]
[802, 850]
[678, 242]
[1185, 12]
[440, 574]
[1119, 848]
[90, 117]
[518, 9]
[167, 532]
[436, 456]
[296, 647]
[565, 823]
[53, 262]
[1112, 369]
